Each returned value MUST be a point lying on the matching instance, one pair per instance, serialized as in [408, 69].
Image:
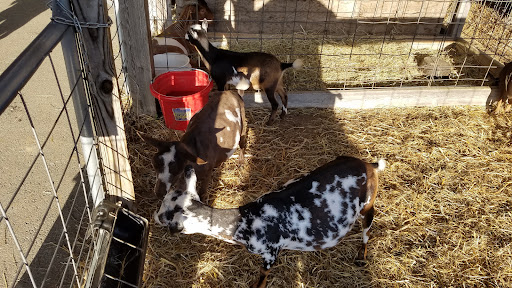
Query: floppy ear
[204, 24]
[183, 150]
[159, 144]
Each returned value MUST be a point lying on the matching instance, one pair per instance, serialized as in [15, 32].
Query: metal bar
[14, 78]
[18, 246]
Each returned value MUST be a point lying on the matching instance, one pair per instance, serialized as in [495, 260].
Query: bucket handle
[190, 69]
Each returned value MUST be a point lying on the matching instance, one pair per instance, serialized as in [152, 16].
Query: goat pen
[443, 214]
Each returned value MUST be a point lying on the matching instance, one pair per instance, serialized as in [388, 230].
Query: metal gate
[66, 181]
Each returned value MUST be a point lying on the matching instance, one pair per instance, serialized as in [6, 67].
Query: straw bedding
[444, 208]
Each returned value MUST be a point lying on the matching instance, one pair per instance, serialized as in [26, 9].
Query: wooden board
[381, 98]
[107, 113]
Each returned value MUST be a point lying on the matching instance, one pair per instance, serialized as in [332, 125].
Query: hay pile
[489, 30]
[444, 211]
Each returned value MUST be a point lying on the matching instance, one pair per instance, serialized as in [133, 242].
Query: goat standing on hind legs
[504, 103]
[307, 214]
[263, 70]
[174, 35]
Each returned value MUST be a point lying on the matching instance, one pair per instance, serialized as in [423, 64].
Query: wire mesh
[352, 44]
[46, 205]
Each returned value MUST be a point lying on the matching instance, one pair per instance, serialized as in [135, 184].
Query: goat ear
[204, 24]
[160, 144]
[185, 151]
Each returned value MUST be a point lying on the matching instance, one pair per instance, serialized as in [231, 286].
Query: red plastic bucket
[181, 95]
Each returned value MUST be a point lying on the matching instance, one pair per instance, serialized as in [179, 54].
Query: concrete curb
[381, 97]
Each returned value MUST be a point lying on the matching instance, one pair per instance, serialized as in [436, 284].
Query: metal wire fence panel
[51, 175]
[349, 44]
[45, 200]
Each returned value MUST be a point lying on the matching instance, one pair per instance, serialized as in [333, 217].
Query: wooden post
[461, 13]
[107, 114]
[159, 15]
[132, 24]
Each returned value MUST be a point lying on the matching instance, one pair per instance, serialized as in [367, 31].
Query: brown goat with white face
[212, 136]
[263, 70]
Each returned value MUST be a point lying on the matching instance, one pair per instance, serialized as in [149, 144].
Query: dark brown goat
[174, 35]
[263, 70]
[212, 136]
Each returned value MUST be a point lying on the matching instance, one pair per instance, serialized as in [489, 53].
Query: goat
[172, 38]
[264, 70]
[504, 103]
[212, 136]
[309, 213]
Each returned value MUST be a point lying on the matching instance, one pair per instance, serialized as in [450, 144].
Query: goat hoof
[270, 122]
[283, 114]
[360, 262]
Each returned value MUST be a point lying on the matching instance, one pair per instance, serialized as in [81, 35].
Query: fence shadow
[51, 262]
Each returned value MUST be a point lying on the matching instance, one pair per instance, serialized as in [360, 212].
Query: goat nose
[175, 228]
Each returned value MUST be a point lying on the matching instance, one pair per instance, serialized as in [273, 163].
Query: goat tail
[297, 64]
[380, 165]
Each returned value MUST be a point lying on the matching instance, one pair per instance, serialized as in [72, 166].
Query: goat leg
[273, 102]
[243, 138]
[262, 281]
[242, 145]
[508, 102]
[284, 100]
[367, 223]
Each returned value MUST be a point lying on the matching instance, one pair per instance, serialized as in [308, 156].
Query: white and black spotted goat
[263, 70]
[310, 213]
[212, 136]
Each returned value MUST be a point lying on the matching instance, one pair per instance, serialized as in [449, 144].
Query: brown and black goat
[307, 214]
[212, 136]
[263, 70]
[172, 39]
